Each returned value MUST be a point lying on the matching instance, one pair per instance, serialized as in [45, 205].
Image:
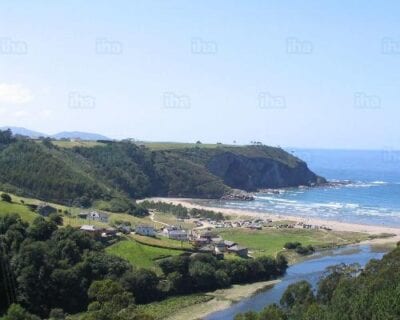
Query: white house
[145, 230]
[176, 234]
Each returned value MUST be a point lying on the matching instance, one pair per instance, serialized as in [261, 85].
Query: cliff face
[252, 173]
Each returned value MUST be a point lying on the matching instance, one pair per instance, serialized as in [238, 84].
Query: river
[311, 270]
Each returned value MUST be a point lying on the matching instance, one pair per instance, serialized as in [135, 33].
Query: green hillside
[118, 172]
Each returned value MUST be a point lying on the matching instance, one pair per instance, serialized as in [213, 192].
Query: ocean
[370, 196]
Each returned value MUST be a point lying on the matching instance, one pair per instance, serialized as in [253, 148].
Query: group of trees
[296, 246]
[45, 268]
[346, 293]
[181, 212]
[203, 272]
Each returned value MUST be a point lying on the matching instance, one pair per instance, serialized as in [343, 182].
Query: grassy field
[170, 219]
[140, 255]
[163, 309]
[25, 213]
[161, 242]
[177, 145]
[71, 144]
[271, 241]
[18, 205]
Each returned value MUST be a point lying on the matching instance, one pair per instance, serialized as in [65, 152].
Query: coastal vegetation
[346, 292]
[42, 264]
[182, 212]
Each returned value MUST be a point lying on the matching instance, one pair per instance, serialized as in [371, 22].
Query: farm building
[145, 230]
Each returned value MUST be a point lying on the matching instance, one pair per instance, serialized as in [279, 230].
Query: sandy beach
[223, 298]
[334, 225]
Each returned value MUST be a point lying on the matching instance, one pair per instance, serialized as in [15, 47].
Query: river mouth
[310, 270]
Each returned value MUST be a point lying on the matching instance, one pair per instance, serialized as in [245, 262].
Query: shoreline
[222, 299]
[332, 224]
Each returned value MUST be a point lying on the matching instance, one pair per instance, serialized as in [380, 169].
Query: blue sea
[371, 196]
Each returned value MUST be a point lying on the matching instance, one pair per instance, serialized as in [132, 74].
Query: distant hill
[88, 136]
[79, 135]
[25, 132]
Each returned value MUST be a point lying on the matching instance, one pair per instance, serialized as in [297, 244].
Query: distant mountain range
[60, 135]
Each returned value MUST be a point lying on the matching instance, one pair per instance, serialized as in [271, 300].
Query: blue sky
[290, 73]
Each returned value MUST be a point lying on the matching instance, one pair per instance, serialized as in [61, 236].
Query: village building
[209, 248]
[239, 250]
[109, 232]
[175, 233]
[94, 215]
[229, 243]
[45, 210]
[91, 229]
[145, 230]
[220, 246]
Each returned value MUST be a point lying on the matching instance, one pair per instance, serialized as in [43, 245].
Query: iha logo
[365, 101]
[174, 101]
[296, 46]
[77, 100]
[9, 46]
[269, 101]
[106, 46]
[391, 155]
[200, 46]
[390, 46]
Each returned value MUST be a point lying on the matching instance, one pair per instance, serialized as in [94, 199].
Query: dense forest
[47, 272]
[345, 293]
[124, 170]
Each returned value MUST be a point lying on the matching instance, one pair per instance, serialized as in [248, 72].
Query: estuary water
[311, 270]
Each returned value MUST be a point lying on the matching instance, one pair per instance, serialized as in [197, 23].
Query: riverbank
[222, 299]
[332, 224]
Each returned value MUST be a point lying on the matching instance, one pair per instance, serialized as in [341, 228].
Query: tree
[57, 314]
[56, 219]
[142, 283]
[222, 278]
[6, 137]
[16, 312]
[41, 229]
[6, 197]
[203, 275]
[299, 293]
[272, 312]
[109, 298]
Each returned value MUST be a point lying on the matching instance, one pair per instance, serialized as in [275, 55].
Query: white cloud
[14, 93]
[20, 114]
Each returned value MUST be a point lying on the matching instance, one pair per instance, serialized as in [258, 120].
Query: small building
[83, 215]
[199, 242]
[109, 232]
[229, 243]
[98, 216]
[209, 248]
[45, 210]
[239, 250]
[145, 230]
[216, 239]
[124, 229]
[91, 229]
[219, 246]
[176, 234]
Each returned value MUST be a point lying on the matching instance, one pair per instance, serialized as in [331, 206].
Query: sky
[314, 74]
